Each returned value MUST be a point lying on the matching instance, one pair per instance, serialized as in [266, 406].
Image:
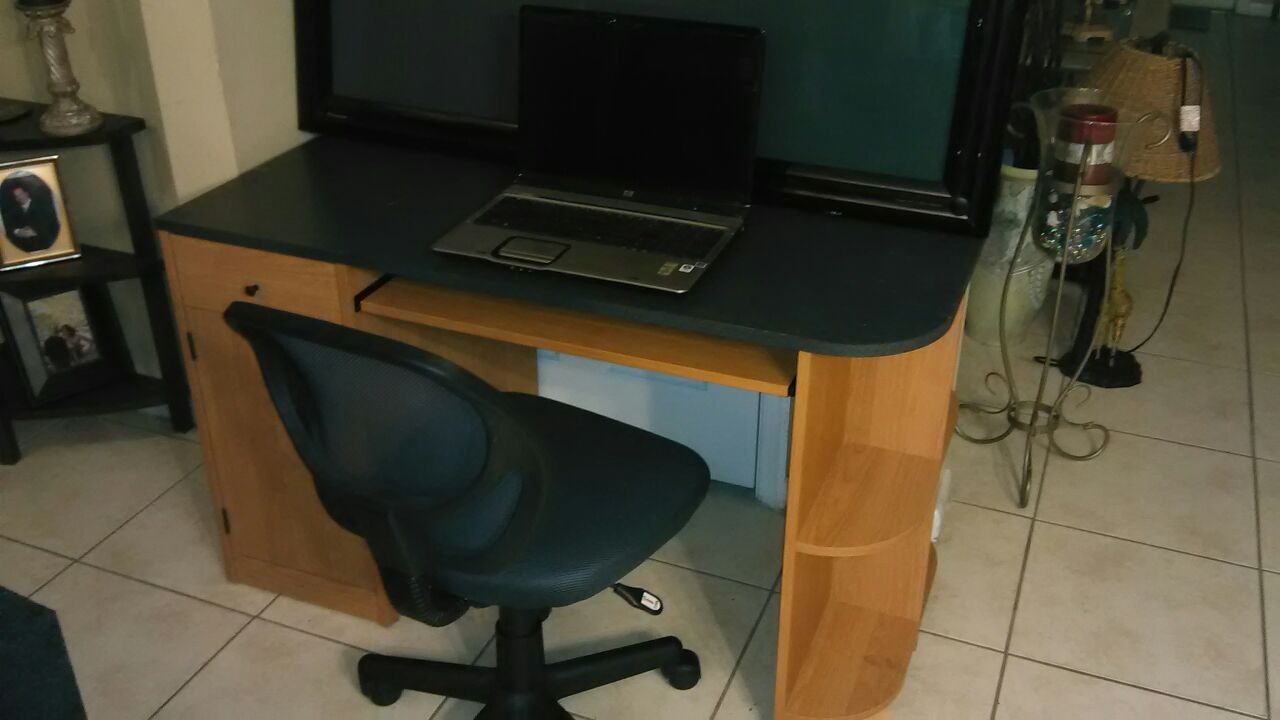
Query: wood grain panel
[278, 535]
[508, 367]
[270, 497]
[648, 347]
[167, 251]
[366, 602]
[214, 275]
[901, 403]
[871, 499]
[849, 635]
[867, 447]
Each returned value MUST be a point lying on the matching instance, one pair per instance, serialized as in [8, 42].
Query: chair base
[523, 686]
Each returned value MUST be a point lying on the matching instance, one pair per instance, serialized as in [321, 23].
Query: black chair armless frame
[471, 497]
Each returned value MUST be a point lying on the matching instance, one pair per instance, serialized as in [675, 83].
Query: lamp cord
[1191, 203]
[1182, 256]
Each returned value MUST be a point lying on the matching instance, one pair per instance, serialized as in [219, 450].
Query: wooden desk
[858, 320]
[867, 447]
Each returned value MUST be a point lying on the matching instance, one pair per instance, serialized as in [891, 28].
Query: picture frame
[64, 342]
[35, 228]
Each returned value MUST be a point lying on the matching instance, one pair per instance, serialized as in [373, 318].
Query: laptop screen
[622, 104]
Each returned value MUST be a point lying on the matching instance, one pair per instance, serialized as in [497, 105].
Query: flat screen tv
[893, 108]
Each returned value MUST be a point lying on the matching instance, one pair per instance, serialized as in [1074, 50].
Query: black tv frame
[961, 202]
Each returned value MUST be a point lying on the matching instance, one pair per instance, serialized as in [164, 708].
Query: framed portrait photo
[64, 343]
[33, 215]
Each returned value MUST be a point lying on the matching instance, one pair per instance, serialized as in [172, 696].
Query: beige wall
[214, 80]
[255, 53]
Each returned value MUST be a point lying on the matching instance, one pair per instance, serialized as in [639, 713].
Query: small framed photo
[33, 215]
[64, 343]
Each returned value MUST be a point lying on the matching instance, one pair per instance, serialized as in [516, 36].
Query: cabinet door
[274, 520]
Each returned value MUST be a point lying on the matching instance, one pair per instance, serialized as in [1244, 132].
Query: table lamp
[67, 115]
[1154, 75]
[1160, 75]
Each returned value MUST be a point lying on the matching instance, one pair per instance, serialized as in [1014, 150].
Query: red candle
[1088, 125]
[1085, 122]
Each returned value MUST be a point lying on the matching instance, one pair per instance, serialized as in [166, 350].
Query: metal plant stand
[1039, 417]
[1084, 151]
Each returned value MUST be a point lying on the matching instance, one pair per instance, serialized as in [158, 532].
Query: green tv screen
[862, 85]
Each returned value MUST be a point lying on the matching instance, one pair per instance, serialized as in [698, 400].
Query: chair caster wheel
[380, 695]
[685, 672]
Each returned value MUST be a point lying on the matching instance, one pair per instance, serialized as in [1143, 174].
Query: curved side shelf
[872, 499]
[848, 636]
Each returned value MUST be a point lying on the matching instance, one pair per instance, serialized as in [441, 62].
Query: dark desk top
[798, 280]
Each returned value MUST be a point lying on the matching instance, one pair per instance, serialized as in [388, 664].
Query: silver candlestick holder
[67, 115]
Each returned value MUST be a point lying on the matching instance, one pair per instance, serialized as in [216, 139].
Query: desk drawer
[214, 275]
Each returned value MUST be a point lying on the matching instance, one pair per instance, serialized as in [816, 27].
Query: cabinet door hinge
[191, 345]
[226, 522]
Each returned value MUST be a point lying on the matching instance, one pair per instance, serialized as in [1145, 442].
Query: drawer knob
[252, 290]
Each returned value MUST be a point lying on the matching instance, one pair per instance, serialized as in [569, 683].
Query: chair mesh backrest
[385, 430]
[407, 450]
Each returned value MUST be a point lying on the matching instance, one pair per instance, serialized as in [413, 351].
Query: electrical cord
[1182, 256]
[1189, 142]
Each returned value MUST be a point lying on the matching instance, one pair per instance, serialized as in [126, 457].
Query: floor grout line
[1248, 346]
[56, 575]
[718, 577]
[312, 633]
[1181, 442]
[203, 665]
[737, 665]
[216, 653]
[1121, 538]
[143, 509]
[33, 546]
[1135, 686]
[1022, 577]
[78, 560]
[1194, 361]
[953, 638]
[157, 586]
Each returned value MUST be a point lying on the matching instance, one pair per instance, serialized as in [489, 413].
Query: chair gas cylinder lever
[639, 598]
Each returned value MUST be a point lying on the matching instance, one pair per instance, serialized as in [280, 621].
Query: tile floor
[1134, 586]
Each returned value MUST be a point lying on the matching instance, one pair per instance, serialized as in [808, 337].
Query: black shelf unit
[99, 266]
[131, 392]
[95, 265]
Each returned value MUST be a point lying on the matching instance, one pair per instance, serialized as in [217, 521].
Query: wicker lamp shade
[1140, 81]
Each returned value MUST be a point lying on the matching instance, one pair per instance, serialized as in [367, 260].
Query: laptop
[637, 143]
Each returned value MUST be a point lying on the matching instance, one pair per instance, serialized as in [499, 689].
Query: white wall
[256, 57]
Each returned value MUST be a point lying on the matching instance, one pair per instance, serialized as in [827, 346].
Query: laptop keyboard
[573, 222]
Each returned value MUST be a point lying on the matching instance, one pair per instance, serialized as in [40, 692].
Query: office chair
[471, 497]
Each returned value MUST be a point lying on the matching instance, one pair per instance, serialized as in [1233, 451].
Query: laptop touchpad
[543, 252]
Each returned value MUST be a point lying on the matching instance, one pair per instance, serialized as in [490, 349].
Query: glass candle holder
[1085, 145]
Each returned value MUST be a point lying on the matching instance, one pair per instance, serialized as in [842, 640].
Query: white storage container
[742, 435]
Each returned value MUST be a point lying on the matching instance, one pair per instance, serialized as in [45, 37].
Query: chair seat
[615, 494]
